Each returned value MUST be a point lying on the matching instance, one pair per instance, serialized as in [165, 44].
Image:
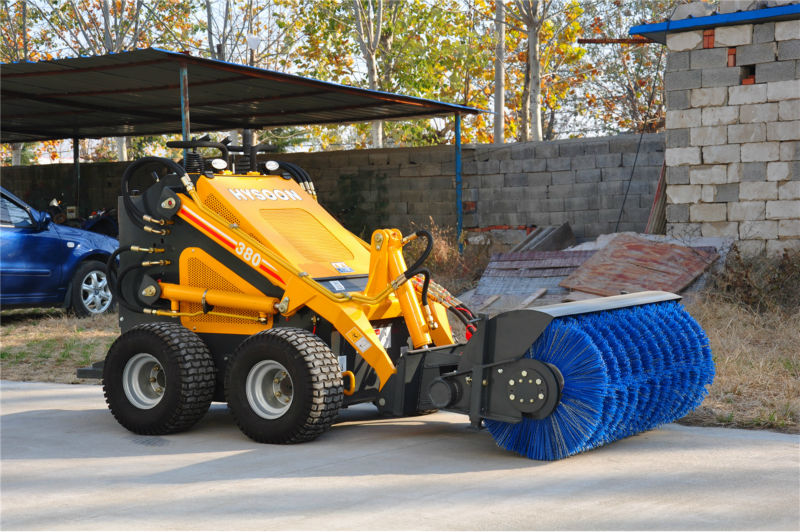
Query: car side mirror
[43, 220]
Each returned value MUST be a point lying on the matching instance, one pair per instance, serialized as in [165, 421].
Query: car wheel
[91, 291]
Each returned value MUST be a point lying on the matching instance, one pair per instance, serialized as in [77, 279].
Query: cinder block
[677, 61]
[708, 175]
[787, 29]
[677, 100]
[783, 90]
[677, 175]
[559, 163]
[596, 146]
[576, 204]
[678, 213]
[760, 151]
[751, 248]
[732, 6]
[539, 179]
[783, 210]
[708, 212]
[683, 79]
[789, 228]
[788, 50]
[692, 10]
[763, 32]
[790, 151]
[760, 112]
[515, 180]
[725, 193]
[747, 94]
[778, 171]
[487, 167]
[687, 40]
[728, 153]
[783, 131]
[720, 77]
[733, 35]
[610, 160]
[512, 166]
[787, 110]
[747, 172]
[582, 162]
[680, 194]
[546, 150]
[776, 248]
[676, 138]
[571, 148]
[710, 96]
[586, 189]
[711, 116]
[708, 135]
[763, 230]
[746, 210]
[534, 165]
[680, 156]
[683, 230]
[566, 177]
[720, 229]
[740, 133]
[709, 58]
[492, 181]
[756, 53]
[789, 191]
[758, 191]
[616, 174]
[591, 175]
[623, 143]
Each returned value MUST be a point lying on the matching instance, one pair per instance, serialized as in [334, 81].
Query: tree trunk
[535, 83]
[499, 74]
[524, 114]
[16, 154]
[122, 149]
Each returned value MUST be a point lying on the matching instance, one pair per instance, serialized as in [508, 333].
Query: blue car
[45, 264]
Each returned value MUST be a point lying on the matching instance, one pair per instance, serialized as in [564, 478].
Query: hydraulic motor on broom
[241, 287]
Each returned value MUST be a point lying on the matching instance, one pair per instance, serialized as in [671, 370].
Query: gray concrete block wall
[507, 189]
[729, 150]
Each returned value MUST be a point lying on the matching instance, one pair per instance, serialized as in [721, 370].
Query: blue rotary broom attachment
[562, 379]
[625, 371]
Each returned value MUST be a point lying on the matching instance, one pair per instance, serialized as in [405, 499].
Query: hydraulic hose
[118, 290]
[412, 270]
[426, 275]
[135, 214]
[110, 264]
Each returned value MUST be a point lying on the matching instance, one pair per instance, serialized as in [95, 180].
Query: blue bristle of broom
[625, 371]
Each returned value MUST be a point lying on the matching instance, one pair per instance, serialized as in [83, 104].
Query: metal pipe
[76, 162]
[191, 294]
[459, 206]
[185, 124]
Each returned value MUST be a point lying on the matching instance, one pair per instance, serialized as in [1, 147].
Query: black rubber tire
[78, 305]
[188, 368]
[317, 391]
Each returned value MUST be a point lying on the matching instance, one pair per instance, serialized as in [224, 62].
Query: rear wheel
[158, 378]
[283, 386]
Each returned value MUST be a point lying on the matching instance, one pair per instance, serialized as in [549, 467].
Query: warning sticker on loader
[342, 267]
[358, 339]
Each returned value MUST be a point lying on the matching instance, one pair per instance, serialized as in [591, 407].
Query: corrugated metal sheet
[137, 93]
[632, 264]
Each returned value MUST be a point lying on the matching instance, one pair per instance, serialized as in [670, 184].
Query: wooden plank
[632, 264]
[533, 297]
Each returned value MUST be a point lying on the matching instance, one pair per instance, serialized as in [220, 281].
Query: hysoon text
[244, 194]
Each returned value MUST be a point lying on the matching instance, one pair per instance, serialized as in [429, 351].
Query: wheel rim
[95, 292]
[144, 381]
[269, 388]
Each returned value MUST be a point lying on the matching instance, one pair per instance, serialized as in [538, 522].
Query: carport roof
[138, 93]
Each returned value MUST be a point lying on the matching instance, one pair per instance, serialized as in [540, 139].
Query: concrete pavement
[66, 464]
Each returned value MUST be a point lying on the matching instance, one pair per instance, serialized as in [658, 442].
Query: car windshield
[12, 214]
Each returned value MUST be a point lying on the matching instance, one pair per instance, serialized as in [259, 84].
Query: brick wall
[507, 188]
[733, 126]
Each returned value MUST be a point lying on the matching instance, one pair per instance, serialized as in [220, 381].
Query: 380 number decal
[247, 253]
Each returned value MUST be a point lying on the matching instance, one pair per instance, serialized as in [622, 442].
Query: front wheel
[91, 292]
[283, 386]
[158, 378]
